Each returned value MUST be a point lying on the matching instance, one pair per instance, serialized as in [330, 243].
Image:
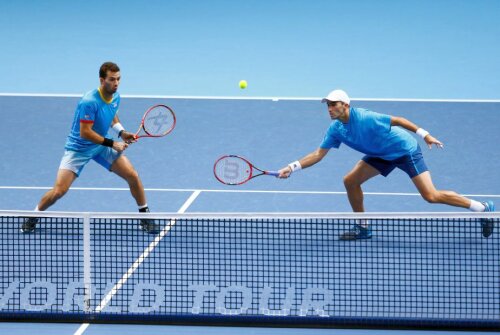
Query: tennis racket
[158, 121]
[236, 170]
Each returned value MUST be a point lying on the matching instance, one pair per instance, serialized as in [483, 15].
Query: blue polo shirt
[92, 108]
[370, 133]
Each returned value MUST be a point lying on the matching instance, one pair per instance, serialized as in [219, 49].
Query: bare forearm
[402, 122]
[87, 133]
[310, 159]
[115, 120]
[430, 140]
[307, 161]
[91, 136]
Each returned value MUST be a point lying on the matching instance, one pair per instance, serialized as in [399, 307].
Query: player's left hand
[128, 137]
[431, 140]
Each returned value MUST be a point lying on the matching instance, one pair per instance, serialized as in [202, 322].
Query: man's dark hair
[108, 66]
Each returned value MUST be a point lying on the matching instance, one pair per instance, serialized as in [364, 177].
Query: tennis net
[418, 269]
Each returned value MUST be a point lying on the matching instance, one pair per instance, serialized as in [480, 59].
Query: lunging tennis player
[94, 115]
[386, 146]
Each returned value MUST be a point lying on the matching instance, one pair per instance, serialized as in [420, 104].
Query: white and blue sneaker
[357, 232]
[29, 225]
[487, 225]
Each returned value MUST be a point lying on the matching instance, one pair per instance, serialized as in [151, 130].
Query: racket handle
[273, 173]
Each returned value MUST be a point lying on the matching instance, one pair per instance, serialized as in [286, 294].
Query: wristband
[107, 142]
[422, 132]
[118, 128]
[295, 166]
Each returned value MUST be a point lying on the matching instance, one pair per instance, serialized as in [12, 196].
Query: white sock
[36, 209]
[476, 206]
[143, 206]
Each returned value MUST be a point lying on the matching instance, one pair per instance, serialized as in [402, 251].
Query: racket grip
[273, 173]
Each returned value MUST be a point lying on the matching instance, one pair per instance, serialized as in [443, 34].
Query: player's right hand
[120, 146]
[128, 137]
[285, 172]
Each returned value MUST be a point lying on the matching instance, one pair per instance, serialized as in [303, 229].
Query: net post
[87, 281]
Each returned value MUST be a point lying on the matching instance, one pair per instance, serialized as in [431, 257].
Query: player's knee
[58, 192]
[431, 197]
[350, 181]
[132, 176]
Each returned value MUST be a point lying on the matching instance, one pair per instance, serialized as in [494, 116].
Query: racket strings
[233, 170]
[158, 121]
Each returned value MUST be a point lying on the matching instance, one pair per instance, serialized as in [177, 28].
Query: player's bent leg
[425, 186]
[63, 182]
[353, 181]
[361, 172]
[124, 168]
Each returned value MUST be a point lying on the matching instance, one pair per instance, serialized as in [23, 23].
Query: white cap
[337, 95]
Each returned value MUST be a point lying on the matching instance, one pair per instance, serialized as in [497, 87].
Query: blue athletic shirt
[92, 108]
[370, 133]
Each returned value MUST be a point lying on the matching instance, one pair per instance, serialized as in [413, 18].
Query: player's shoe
[149, 226]
[29, 225]
[487, 225]
[357, 232]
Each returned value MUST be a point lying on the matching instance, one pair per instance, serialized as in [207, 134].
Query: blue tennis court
[177, 172]
[176, 166]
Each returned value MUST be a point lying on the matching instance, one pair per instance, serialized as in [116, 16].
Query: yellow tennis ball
[243, 84]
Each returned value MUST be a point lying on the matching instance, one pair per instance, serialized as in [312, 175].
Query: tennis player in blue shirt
[386, 146]
[94, 116]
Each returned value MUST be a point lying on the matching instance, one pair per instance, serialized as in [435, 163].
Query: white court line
[232, 191]
[199, 97]
[104, 302]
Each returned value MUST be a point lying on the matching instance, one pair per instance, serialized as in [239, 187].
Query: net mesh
[277, 268]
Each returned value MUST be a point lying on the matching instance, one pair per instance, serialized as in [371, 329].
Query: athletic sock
[476, 206]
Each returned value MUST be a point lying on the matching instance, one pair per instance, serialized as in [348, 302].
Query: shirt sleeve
[87, 112]
[330, 141]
